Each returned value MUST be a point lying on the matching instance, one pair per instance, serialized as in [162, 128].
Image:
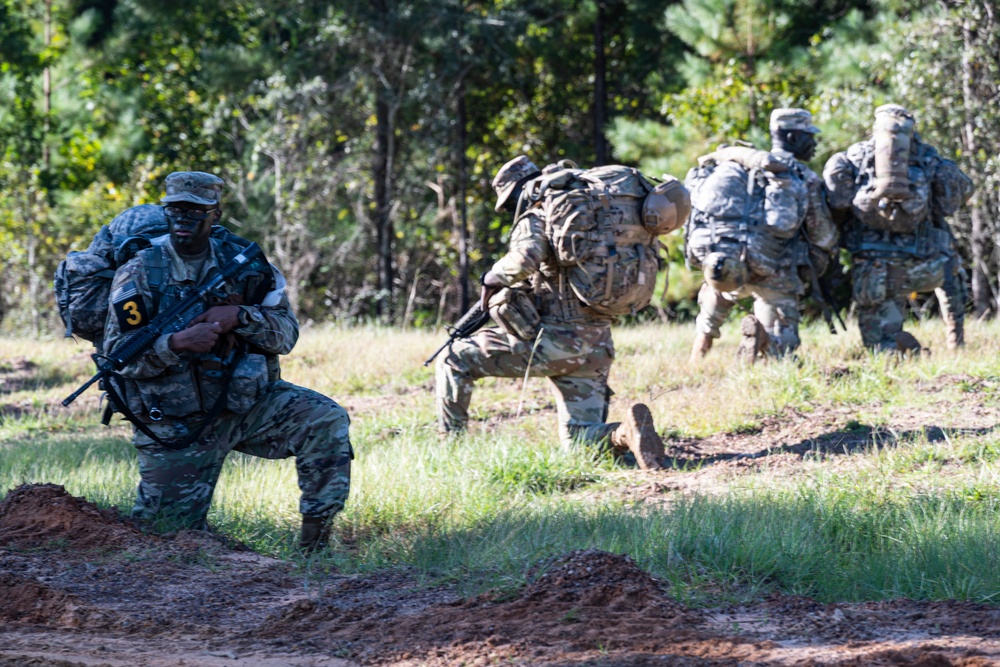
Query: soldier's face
[190, 226]
[803, 145]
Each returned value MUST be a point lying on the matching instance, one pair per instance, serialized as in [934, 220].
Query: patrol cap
[893, 110]
[196, 187]
[512, 173]
[793, 119]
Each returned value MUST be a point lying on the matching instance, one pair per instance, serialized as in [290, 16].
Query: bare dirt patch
[192, 599]
[786, 444]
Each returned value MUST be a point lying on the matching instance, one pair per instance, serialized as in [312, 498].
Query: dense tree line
[359, 138]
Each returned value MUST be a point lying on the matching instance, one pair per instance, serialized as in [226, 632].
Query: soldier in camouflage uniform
[215, 386]
[921, 257]
[774, 326]
[574, 349]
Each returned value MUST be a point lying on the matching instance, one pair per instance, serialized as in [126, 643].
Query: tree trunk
[47, 91]
[383, 218]
[463, 227]
[600, 89]
[981, 298]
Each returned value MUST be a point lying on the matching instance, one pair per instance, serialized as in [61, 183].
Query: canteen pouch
[514, 311]
[666, 207]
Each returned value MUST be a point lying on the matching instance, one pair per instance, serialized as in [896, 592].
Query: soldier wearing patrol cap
[573, 349]
[215, 386]
[774, 326]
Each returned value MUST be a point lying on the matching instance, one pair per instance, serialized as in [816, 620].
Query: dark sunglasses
[196, 214]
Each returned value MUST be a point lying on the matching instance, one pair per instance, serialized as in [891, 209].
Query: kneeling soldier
[215, 386]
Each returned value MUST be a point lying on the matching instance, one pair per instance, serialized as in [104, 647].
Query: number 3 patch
[129, 307]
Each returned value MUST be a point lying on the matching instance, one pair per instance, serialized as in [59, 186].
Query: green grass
[913, 517]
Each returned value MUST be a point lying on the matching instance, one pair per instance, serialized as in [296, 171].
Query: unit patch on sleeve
[129, 307]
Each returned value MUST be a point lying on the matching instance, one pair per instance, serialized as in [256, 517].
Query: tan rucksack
[603, 224]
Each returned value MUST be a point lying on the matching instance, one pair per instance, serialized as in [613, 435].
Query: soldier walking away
[757, 219]
[554, 310]
[895, 193]
[215, 386]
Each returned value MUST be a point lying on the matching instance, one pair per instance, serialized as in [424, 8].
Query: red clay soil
[587, 600]
[35, 515]
[191, 600]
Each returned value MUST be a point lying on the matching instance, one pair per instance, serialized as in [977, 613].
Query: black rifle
[819, 289]
[173, 319]
[470, 323]
[827, 304]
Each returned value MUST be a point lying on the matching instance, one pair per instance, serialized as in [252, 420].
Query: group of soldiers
[760, 224]
[768, 250]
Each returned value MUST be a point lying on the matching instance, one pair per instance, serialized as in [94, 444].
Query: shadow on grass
[23, 375]
[848, 440]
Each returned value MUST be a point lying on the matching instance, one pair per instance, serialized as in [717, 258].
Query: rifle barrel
[76, 394]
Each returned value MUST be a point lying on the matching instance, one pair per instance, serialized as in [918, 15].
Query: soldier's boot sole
[642, 438]
[754, 341]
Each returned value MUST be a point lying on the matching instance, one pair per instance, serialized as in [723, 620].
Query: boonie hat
[512, 173]
[196, 187]
[793, 119]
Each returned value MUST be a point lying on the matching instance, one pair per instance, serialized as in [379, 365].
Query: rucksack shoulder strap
[157, 265]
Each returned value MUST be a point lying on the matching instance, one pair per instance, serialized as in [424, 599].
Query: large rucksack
[903, 216]
[747, 205]
[83, 280]
[603, 225]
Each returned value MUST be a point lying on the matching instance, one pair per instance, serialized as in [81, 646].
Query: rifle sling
[180, 443]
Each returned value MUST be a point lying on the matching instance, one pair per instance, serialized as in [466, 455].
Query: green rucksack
[603, 225]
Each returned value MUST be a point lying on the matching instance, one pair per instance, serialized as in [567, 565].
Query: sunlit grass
[914, 517]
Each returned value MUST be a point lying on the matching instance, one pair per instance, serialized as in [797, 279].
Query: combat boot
[315, 535]
[638, 435]
[755, 342]
[702, 344]
[907, 344]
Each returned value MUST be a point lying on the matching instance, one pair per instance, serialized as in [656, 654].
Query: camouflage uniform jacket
[531, 258]
[946, 186]
[183, 385]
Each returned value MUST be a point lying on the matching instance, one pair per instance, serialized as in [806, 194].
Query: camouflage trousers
[576, 358]
[881, 285]
[777, 310]
[287, 421]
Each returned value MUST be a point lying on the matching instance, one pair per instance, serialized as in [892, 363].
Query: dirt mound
[36, 515]
[26, 601]
[587, 600]
[594, 578]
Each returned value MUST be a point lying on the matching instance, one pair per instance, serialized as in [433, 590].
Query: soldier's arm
[951, 188]
[130, 309]
[529, 247]
[271, 326]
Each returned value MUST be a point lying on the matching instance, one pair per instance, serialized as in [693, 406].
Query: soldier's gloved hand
[227, 317]
[196, 338]
[490, 286]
